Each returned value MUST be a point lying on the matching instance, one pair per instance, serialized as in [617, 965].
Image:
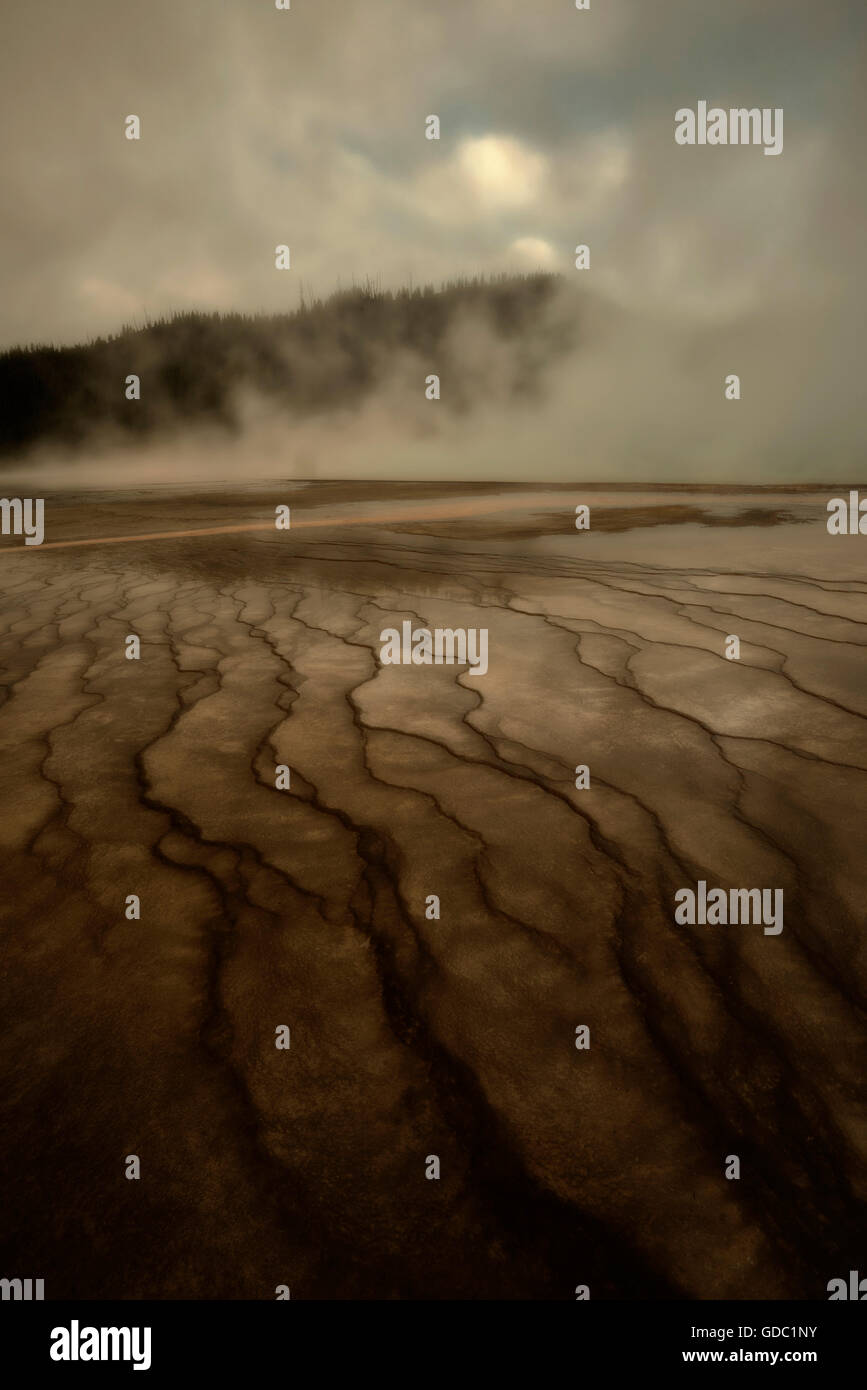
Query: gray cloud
[307, 127]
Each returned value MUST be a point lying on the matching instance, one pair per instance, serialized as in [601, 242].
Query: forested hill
[198, 368]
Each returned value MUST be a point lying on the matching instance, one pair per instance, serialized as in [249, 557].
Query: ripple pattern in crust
[409, 1036]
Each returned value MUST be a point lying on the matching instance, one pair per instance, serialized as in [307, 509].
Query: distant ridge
[326, 355]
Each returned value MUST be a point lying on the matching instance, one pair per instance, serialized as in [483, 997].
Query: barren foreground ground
[413, 1036]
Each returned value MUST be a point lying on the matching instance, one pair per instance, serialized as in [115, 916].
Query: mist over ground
[539, 381]
[308, 128]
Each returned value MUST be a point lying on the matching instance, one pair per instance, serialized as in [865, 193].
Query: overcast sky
[307, 127]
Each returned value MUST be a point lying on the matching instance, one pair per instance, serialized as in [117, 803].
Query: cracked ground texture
[306, 907]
